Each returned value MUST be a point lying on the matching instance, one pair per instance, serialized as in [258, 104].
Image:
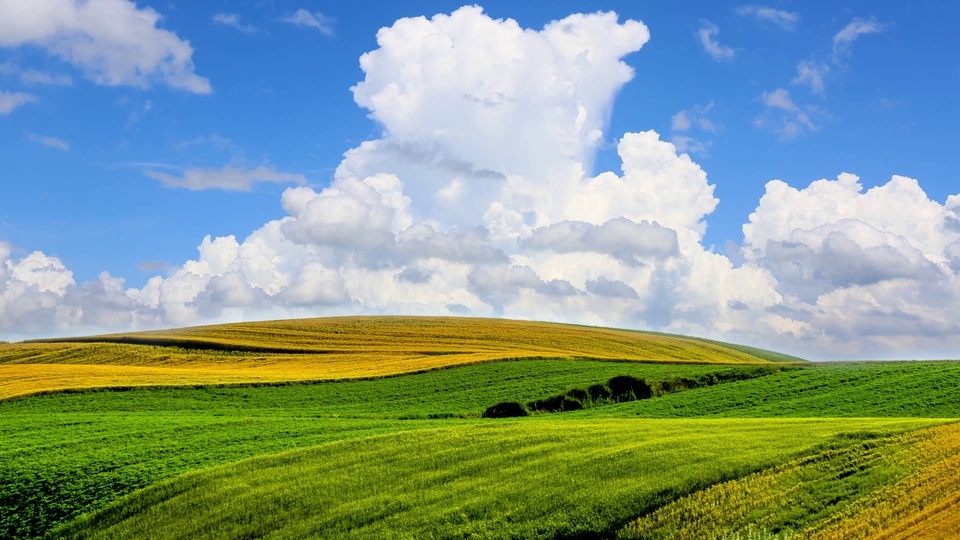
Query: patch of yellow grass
[322, 349]
[922, 505]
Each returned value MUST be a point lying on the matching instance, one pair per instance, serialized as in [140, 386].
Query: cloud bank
[480, 199]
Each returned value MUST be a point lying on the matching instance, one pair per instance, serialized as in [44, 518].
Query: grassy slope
[845, 493]
[330, 348]
[66, 453]
[506, 479]
[61, 454]
[889, 389]
[113, 446]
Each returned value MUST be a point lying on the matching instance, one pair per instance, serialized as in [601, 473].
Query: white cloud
[228, 178]
[49, 142]
[11, 100]
[811, 73]
[233, 21]
[784, 19]
[843, 40]
[708, 39]
[112, 41]
[631, 243]
[871, 270]
[479, 200]
[784, 117]
[315, 20]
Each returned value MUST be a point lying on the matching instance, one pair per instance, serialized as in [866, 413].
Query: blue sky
[126, 143]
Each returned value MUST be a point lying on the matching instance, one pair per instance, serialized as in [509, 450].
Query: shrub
[505, 409]
[598, 392]
[578, 394]
[570, 405]
[676, 384]
[627, 388]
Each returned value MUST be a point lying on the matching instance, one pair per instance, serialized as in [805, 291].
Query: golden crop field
[327, 349]
[917, 487]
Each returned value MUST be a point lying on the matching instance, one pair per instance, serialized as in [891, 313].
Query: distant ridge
[332, 349]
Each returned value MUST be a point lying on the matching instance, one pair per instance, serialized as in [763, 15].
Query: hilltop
[333, 349]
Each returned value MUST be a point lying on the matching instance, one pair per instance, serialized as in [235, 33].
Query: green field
[820, 448]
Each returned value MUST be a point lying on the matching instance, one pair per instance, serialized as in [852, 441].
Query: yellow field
[324, 349]
[923, 504]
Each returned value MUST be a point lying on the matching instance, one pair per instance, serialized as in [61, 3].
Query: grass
[330, 349]
[525, 478]
[150, 434]
[65, 453]
[853, 491]
[890, 389]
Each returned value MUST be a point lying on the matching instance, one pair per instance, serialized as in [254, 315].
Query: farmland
[398, 448]
[335, 348]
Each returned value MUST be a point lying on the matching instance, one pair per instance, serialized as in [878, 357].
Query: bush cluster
[619, 389]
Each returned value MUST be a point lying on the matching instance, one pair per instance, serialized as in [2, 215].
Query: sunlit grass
[504, 479]
[65, 453]
[848, 492]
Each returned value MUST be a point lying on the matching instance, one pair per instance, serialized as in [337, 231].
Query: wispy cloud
[233, 21]
[843, 41]
[693, 119]
[811, 73]
[33, 77]
[227, 178]
[784, 117]
[315, 20]
[49, 142]
[707, 35]
[11, 100]
[784, 19]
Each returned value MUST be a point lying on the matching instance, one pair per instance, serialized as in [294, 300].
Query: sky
[772, 174]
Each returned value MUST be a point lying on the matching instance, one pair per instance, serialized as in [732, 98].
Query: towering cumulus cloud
[480, 198]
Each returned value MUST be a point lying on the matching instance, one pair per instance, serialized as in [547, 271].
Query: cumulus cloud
[228, 178]
[708, 39]
[112, 41]
[875, 266]
[316, 20]
[480, 199]
[784, 19]
[622, 239]
[11, 100]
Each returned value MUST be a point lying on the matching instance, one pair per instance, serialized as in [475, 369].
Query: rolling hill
[329, 349]
[374, 439]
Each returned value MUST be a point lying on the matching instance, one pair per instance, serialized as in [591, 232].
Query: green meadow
[819, 448]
